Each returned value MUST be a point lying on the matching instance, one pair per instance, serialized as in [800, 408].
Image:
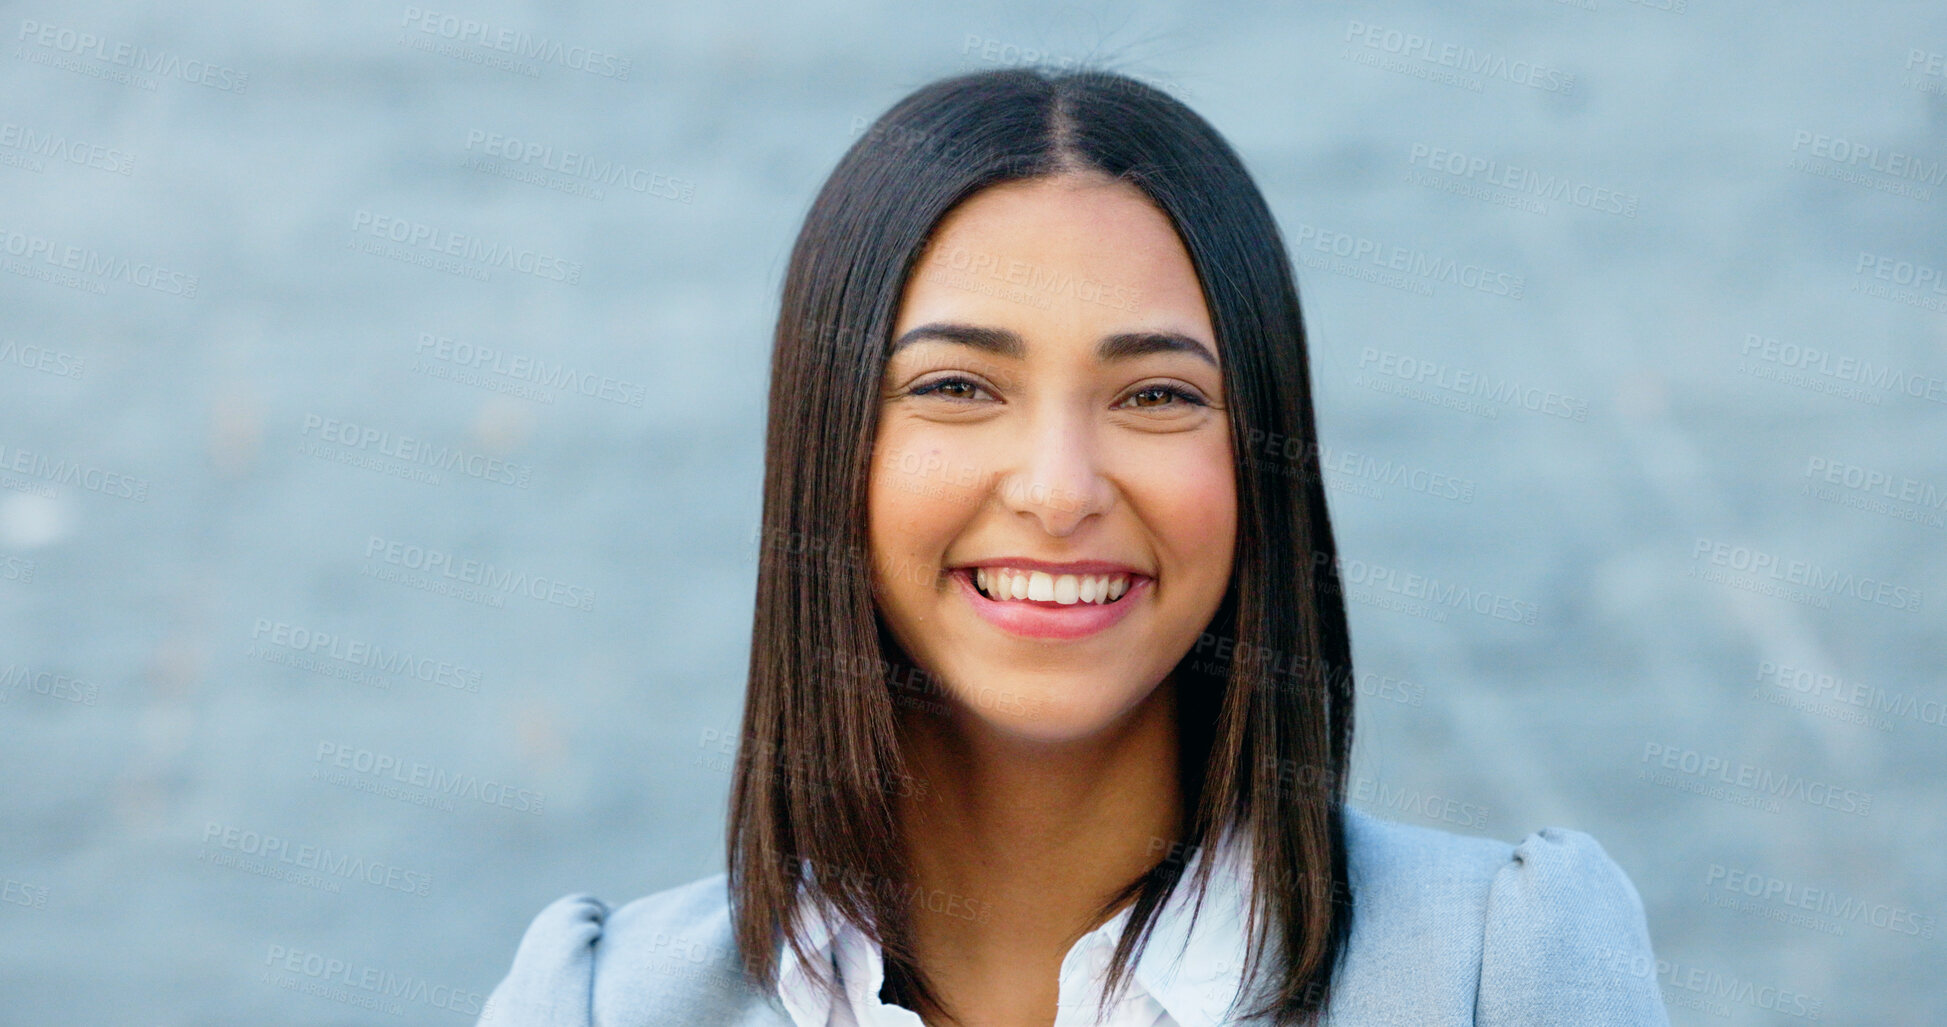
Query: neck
[1039, 836]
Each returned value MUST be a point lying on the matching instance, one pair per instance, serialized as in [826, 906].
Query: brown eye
[1166, 392]
[951, 388]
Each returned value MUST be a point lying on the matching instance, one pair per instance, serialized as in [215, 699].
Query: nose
[1057, 478]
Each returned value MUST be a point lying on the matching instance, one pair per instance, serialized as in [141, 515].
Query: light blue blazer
[1447, 929]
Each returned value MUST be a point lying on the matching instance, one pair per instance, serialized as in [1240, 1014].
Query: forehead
[1072, 255]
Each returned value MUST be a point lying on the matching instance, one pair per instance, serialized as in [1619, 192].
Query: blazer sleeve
[552, 980]
[1565, 940]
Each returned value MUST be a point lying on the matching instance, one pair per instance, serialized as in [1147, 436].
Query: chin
[1072, 711]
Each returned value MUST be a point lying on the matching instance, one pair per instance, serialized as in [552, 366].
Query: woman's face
[1054, 401]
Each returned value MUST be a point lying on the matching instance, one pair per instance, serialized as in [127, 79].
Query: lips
[1028, 618]
[1052, 567]
[1016, 583]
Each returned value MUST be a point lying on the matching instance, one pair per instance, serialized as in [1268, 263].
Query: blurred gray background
[1630, 333]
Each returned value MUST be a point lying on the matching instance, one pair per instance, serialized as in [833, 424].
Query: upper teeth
[1066, 589]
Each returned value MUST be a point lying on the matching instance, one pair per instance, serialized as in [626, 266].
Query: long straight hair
[1264, 697]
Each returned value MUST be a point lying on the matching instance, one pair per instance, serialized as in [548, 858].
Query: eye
[1163, 391]
[954, 388]
[961, 389]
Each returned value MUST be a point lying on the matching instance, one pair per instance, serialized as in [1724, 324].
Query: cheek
[919, 497]
[1192, 507]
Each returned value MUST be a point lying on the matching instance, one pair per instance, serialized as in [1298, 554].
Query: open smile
[1050, 618]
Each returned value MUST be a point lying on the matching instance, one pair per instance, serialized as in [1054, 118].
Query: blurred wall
[1630, 337]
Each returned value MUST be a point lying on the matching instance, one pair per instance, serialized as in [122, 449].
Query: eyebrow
[1001, 342]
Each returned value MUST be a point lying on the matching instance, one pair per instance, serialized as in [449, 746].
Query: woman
[1050, 698]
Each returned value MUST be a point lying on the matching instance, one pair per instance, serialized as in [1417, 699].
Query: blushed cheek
[1201, 511]
[941, 466]
[918, 505]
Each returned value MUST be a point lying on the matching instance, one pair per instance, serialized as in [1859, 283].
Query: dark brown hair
[811, 806]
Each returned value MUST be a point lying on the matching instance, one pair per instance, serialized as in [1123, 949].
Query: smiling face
[1054, 400]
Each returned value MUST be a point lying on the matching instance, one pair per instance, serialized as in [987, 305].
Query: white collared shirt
[1164, 991]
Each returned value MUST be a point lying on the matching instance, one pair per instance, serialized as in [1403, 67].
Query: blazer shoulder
[1565, 939]
[1419, 899]
[553, 968]
[1426, 866]
[665, 958]
[698, 911]
[672, 958]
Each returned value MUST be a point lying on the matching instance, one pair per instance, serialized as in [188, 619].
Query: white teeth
[1041, 586]
[1067, 589]
[1005, 583]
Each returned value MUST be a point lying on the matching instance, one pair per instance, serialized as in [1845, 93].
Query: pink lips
[1051, 620]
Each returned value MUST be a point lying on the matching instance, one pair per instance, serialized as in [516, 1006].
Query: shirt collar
[1193, 973]
[804, 998]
